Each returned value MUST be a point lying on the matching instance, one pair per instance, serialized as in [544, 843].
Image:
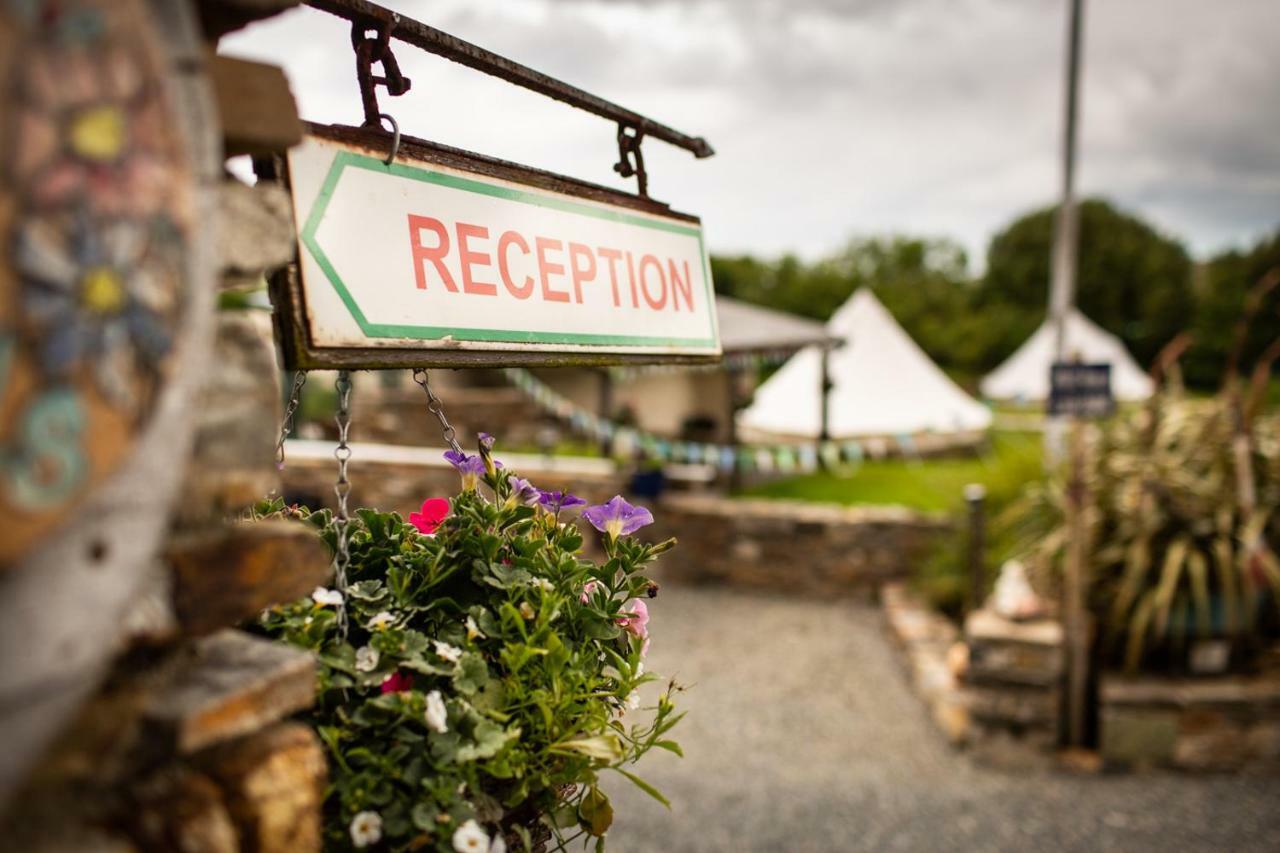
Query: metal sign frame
[301, 352]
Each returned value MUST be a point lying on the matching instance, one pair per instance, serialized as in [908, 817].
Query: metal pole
[1076, 612]
[1062, 282]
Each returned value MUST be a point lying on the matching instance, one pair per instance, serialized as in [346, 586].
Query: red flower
[397, 682]
[434, 511]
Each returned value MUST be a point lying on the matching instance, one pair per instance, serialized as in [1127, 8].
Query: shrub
[479, 675]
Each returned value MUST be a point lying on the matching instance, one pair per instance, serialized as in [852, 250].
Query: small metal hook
[395, 138]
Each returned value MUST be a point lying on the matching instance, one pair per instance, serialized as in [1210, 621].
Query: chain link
[342, 489]
[437, 408]
[290, 409]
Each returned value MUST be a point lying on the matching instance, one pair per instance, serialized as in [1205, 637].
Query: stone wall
[1206, 724]
[792, 547]
[400, 479]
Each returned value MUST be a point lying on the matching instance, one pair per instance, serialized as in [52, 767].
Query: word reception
[454, 253]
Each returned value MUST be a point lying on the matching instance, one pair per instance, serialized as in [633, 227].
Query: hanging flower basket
[478, 675]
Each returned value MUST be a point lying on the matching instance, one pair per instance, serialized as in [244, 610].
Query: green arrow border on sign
[344, 159]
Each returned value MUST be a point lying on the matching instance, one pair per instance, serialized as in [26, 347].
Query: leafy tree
[1222, 285]
[1131, 280]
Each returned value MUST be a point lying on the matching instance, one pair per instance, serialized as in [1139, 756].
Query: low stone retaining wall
[399, 478]
[790, 546]
[1227, 723]
[995, 689]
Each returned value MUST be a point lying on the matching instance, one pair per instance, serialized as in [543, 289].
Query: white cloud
[838, 118]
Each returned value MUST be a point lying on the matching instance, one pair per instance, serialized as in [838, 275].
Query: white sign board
[418, 255]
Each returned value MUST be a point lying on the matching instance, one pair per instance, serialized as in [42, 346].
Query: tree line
[1132, 280]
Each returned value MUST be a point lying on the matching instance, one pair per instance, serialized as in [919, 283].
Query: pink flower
[397, 682]
[588, 588]
[635, 621]
[434, 512]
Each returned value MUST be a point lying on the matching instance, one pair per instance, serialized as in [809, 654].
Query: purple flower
[617, 517]
[470, 467]
[556, 501]
[486, 440]
[523, 492]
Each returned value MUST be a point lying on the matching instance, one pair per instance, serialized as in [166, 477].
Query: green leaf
[490, 738]
[645, 786]
[601, 747]
[472, 674]
[670, 746]
[595, 812]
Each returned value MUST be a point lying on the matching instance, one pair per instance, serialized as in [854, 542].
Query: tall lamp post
[1062, 289]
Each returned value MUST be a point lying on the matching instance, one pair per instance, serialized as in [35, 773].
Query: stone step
[225, 575]
[230, 684]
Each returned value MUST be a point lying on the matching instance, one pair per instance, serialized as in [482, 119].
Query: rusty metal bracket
[631, 159]
[375, 49]
[465, 53]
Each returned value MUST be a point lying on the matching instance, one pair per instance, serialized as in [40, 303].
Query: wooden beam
[259, 115]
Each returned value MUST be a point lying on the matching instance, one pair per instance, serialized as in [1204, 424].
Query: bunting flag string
[781, 458]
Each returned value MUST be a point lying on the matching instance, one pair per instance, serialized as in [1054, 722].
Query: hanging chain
[437, 408]
[342, 489]
[290, 409]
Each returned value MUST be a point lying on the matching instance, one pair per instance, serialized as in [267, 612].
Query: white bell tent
[1025, 374]
[882, 384]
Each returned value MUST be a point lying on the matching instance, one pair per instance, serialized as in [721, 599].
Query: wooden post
[975, 497]
[824, 433]
[732, 378]
[605, 410]
[1075, 592]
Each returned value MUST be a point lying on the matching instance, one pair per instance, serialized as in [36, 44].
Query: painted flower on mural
[617, 517]
[98, 297]
[91, 128]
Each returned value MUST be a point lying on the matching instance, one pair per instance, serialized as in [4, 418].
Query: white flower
[544, 584]
[437, 716]
[473, 630]
[498, 845]
[448, 652]
[366, 659]
[640, 669]
[633, 700]
[526, 610]
[366, 829]
[382, 620]
[325, 597]
[470, 838]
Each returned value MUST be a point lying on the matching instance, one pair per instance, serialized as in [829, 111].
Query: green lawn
[1011, 460]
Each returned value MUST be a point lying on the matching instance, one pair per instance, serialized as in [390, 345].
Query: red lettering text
[525, 290]
[469, 258]
[612, 256]
[436, 255]
[546, 269]
[580, 272]
[680, 286]
[655, 302]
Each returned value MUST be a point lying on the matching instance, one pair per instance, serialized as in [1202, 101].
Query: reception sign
[443, 257]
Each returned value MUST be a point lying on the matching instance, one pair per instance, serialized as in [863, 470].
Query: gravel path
[803, 736]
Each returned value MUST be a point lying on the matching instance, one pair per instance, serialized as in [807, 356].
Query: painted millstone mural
[95, 213]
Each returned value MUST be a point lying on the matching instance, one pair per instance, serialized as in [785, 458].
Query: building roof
[748, 328]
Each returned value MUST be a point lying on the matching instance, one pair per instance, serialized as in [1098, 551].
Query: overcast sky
[837, 118]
